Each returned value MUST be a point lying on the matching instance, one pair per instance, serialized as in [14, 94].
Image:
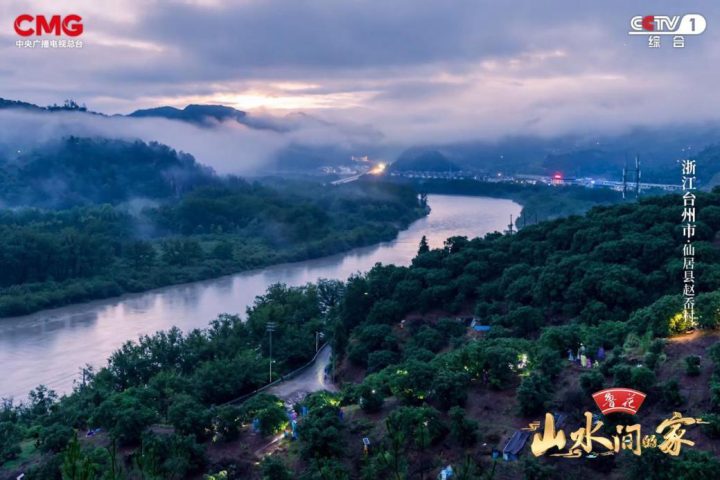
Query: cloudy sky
[414, 70]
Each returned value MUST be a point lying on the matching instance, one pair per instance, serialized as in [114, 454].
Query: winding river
[50, 346]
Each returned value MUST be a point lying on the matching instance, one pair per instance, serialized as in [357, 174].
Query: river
[50, 346]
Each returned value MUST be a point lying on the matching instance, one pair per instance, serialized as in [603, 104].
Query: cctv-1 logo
[690, 24]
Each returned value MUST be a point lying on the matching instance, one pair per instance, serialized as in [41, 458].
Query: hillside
[79, 171]
[423, 161]
[416, 381]
[197, 114]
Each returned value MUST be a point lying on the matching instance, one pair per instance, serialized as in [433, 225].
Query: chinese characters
[589, 440]
[688, 231]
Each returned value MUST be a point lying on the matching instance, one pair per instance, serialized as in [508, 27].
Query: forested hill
[55, 257]
[416, 381]
[77, 171]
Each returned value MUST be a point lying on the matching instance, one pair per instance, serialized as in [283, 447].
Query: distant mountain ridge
[197, 114]
[580, 155]
[200, 115]
[423, 161]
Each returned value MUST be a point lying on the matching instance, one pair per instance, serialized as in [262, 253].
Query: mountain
[67, 106]
[78, 171]
[204, 115]
[602, 156]
[582, 155]
[423, 161]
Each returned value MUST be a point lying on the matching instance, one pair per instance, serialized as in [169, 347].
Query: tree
[535, 470]
[412, 381]
[268, 410]
[450, 388]
[41, 400]
[549, 362]
[463, 430]
[141, 254]
[422, 425]
[320, 433]
[10, 436]
[226, 422]
[424, 247]
[170, 457]
[189, 417]
[708, 309]
[429, 338]
[642, 378]
[326, 469]
[55, 437]
[592, 382]
[670, 395]
[125, 415]
[714, 353]
[76, 465]
[533, 394]
[380, 359]
[692, 365]
[272, 468]
[370, 399]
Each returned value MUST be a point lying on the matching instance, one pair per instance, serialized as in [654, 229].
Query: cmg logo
[39, 25]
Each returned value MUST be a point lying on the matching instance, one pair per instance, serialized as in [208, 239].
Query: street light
[270, 327]
[318, 336]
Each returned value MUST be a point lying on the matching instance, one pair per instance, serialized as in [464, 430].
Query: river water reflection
[49, 347]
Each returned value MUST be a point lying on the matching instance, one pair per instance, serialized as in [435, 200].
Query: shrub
[226, 422]
[450, 388]
[712, 428]
[273, 468]
[533, 393]
[622, 374]
[10, 437]
[321, 433]
[189, 417]
[657, 346]
[380, 359]
[670, 395]
[412, 381]
[714, 353]
[692, 365]
[592, 382]
[463, 430]
[268, 410]
[370, 399]
[651, 360]
[642, 378]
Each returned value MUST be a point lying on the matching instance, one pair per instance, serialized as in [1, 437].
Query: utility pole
[270, 327]
[624, 177]
[637, 176]
[317, 340]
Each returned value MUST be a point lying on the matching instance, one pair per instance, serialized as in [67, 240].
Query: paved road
[311, 380]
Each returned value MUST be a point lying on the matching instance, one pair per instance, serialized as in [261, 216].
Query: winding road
[311, 380]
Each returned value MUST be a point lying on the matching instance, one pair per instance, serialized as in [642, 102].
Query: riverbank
[29, 298]
[49, 346]
[51, 258]
[540, 202]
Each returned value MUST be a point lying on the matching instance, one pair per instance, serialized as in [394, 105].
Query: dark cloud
[403, 71]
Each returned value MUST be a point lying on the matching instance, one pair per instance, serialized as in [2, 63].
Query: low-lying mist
[228, 147]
